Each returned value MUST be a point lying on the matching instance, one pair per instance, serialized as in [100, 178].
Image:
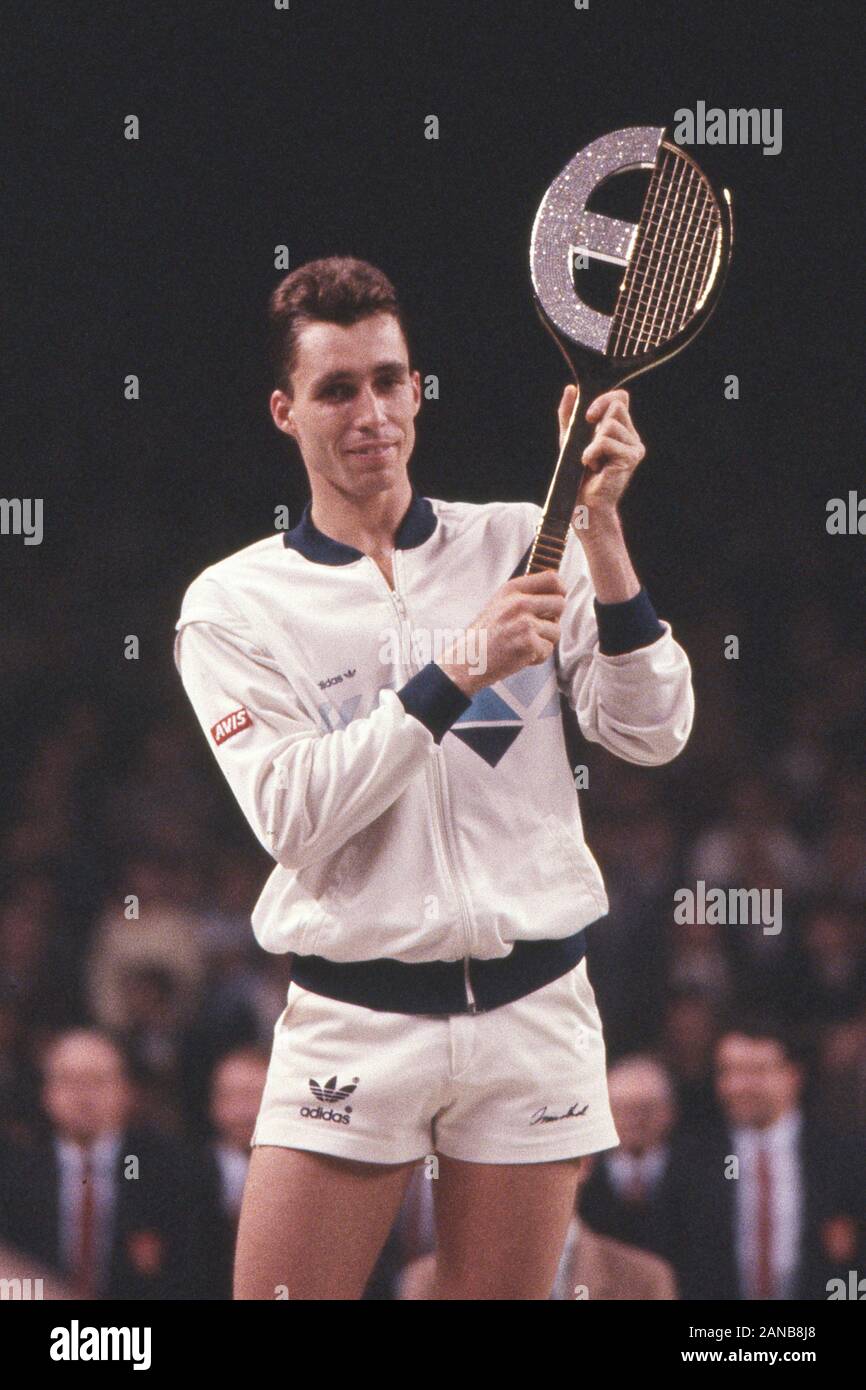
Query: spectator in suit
[773, 1207]
[112, 1206]
[236, 1094]
[629, 1194]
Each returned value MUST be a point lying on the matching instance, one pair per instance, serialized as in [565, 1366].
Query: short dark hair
[338, 289]
[767, 1026]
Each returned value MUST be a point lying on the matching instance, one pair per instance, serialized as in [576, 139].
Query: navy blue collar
[418, 524]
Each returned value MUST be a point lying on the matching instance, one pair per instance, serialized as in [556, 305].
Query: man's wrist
[461, 676]
[434, 699]
[602, 526]
[607, 558]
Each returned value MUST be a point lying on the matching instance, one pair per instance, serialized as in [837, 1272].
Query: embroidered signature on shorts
[541, 1116]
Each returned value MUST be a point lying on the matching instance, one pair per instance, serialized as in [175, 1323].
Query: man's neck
[368, 523]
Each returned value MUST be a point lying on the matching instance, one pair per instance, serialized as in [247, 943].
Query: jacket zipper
[403, 617]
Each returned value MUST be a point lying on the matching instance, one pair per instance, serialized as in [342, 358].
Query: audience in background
[136, 1010]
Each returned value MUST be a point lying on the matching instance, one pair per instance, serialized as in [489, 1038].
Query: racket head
[675, 258]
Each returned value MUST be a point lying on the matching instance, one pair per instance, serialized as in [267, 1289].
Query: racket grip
[548, 546]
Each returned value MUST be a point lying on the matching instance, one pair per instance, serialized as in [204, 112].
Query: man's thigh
[312, 1225]
[501, 1228]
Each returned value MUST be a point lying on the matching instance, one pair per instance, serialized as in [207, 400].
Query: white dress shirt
[104, 1154]
[623, 1168]
[781, 1144]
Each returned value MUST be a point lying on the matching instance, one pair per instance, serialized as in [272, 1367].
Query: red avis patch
[232, 724]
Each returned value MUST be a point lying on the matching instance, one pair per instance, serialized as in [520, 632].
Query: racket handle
[548, 546]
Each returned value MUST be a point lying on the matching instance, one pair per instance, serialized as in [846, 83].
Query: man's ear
[415, 378]
[282, 414]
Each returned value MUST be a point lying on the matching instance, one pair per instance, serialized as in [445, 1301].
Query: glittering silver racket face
[674, 257]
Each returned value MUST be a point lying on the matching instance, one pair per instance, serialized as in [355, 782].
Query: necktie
[764, 1265]
[85, 1265]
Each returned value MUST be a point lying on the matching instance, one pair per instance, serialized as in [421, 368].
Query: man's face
[755, 1081]
[641, 1111]
[354, 404]
[85, 1091]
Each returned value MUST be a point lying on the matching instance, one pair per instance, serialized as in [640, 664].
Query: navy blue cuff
[435, 699]
[622, 627]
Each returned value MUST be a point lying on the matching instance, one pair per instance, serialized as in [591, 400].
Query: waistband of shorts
[439, 987]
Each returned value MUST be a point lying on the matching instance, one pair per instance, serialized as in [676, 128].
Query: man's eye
[388, 383]
[337, 393]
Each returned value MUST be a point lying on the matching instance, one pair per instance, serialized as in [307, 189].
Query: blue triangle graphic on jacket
[489, 744]
[487, 705]
[525, 684]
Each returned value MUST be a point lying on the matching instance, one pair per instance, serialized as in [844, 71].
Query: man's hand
[518, 627]
[612, 456]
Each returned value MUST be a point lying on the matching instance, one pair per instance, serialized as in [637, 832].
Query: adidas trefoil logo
[331, 1094]
[331, 1091]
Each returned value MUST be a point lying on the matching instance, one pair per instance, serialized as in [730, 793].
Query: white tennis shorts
[524, 1083]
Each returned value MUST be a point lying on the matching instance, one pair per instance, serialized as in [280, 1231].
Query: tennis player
[383, 689]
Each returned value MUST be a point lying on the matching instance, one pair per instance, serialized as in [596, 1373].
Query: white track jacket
[406, 820]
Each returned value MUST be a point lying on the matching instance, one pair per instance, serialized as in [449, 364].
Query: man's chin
[379, 477]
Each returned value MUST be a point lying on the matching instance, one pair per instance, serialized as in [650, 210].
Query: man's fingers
[616, 430]
[543, 581]
[601, 403]
[606, 448]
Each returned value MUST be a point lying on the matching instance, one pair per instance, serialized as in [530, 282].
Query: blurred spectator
[630, 1192]
[698, 958]
[18, 1076]
[151, 1040]
[840, 1081]
[111, 1205]
[239, 1004]
[626, 958]
[162, 930]
[831, 981]
[162, 801]
[36, 959]
[752, 843]
[804, 761]
[773, 1207]
[688, 1035]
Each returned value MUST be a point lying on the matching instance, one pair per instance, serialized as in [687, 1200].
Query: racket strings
[672, 258]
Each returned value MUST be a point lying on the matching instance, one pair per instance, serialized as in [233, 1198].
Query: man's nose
[371, 407]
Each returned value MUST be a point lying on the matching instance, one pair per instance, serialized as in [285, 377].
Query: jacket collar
[418, 524]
